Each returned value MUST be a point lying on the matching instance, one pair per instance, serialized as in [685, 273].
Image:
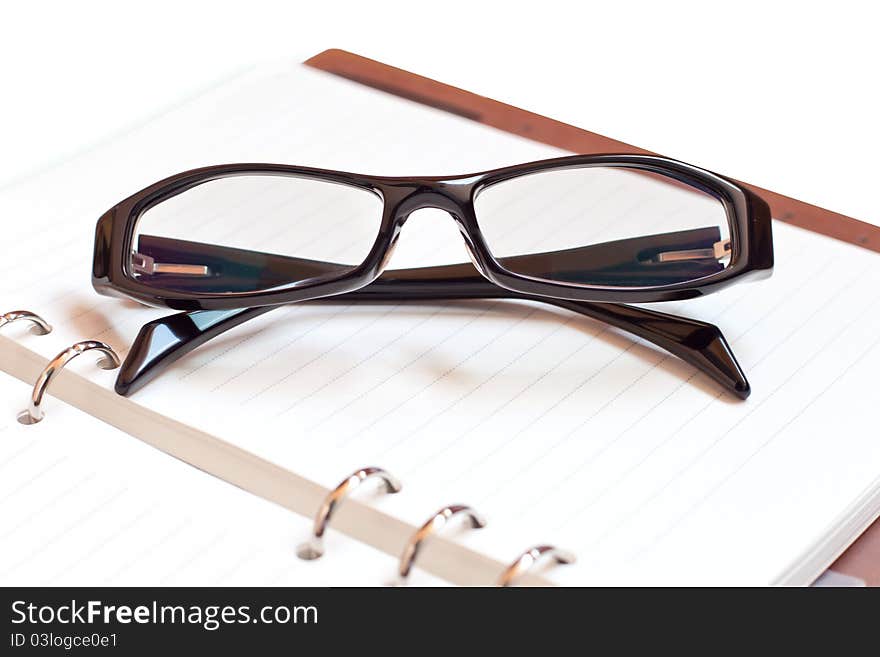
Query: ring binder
[527, 560]
[41, 326]
[314, 547]
[34, 412]
[434, 524]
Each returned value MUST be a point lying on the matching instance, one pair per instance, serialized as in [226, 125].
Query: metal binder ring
[41, 326]
[34, 412]
[527, 560]
[433, 525]
[314, 547]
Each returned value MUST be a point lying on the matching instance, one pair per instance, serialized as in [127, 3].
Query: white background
[784, 95]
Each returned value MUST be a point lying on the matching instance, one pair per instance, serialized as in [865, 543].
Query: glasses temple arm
[161, 342]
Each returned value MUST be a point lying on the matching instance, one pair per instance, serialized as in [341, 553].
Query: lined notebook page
[556, 427]
[84, 504]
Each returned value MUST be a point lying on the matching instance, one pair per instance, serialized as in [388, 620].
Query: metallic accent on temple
[144, 264]
[718, 251]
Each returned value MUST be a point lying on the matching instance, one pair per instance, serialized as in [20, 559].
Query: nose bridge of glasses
[431, 239]
[428, 194]
[448, 197]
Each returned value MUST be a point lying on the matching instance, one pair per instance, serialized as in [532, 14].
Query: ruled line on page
[288, 312]
[69, 527]
[752, 365]
[35, 478]
[433, 345]
[710, 445]
[752, 409]
[192, 554]
[748, 460]
[35, 513]
[106, 542]
[602, 449]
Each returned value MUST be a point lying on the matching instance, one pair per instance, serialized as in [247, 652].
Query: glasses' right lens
[604, 226]
[253, 234]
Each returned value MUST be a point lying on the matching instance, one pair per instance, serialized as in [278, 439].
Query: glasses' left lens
[605, 226]
[254, 233]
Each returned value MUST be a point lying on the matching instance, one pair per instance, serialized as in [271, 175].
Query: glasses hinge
[144, 264]
[718, 251]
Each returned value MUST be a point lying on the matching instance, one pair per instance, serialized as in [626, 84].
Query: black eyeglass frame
[161, 342]
[751, 249]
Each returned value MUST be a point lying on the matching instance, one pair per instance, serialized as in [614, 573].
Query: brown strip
[561, 135]
[862, 559]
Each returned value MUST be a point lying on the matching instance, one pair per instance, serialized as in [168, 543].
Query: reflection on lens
[608, 226]
[254, 233]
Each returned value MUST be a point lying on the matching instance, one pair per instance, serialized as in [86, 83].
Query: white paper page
[558, 428]
[82, 503]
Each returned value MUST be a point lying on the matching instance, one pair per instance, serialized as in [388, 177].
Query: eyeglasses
[587, 232]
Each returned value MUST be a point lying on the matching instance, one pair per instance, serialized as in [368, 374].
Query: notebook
[558, 429]
[83, 503]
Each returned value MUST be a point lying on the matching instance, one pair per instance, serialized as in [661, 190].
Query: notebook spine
[313, 548]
